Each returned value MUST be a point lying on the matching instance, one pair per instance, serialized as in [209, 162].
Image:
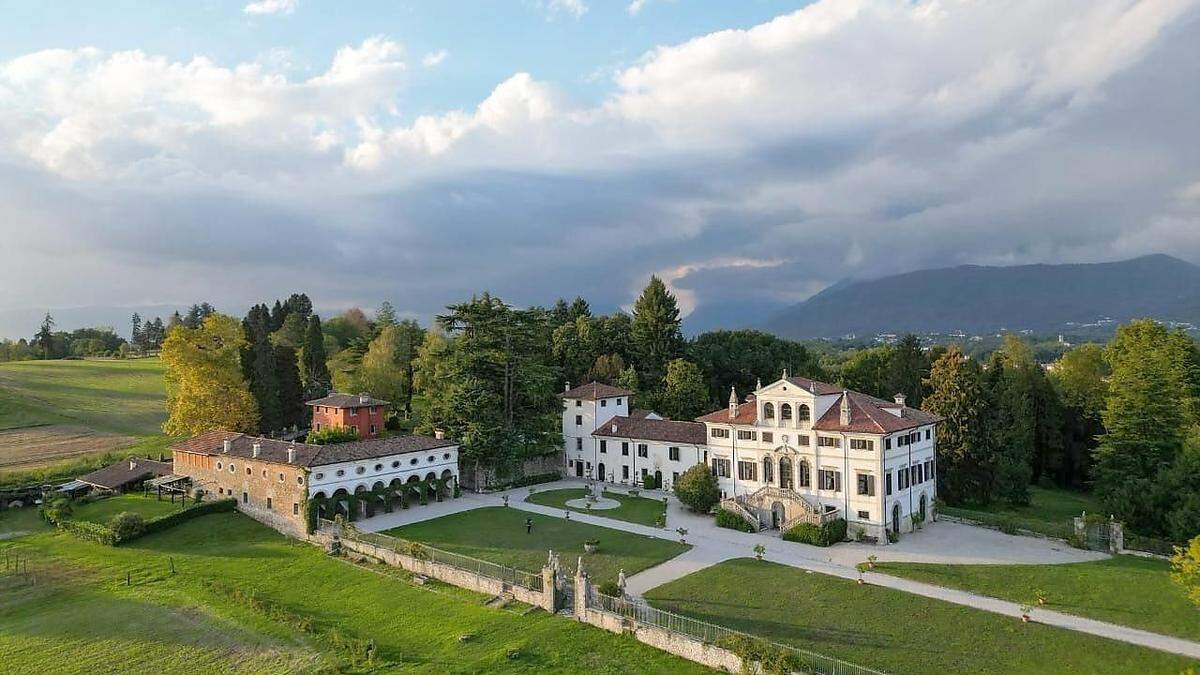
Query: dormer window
[768, 411]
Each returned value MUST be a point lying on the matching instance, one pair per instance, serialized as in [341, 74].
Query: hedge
[828, 534]
[102, 534]
[729, 519]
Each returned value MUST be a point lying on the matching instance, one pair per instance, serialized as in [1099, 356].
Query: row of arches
[366, 502]
[800, 477]
[803, 412]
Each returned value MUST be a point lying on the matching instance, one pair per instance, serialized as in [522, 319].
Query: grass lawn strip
[891, 630]
[1049, 511]
[497, 534]
[240, 597]
[640, 510]
[1127, 590]
[102, 511]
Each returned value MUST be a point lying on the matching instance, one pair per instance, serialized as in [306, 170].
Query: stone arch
[895, 518]
[803, 413]
[768, 411]
[785, 412]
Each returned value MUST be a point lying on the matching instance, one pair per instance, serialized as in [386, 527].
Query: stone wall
[490, 478]
[269, 492]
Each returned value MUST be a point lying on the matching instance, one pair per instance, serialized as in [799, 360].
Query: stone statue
[621, 581]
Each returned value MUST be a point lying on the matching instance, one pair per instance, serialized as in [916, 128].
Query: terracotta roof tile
[669, 431]
[593, 391]
[126, 471]
[275, 451]
[336, 400]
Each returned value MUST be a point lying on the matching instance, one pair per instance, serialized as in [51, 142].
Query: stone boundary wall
[680, 645]
[451, 575]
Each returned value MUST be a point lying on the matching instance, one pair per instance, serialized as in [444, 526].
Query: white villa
[796, 450]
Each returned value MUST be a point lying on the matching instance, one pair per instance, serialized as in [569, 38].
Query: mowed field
[55, 411]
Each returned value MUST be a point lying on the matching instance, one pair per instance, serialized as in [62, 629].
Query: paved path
[941, 542]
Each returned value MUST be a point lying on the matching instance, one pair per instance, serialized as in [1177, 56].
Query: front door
[600, 470]
[658, 479]
[896, 519]
[785, 473]
[579, 469]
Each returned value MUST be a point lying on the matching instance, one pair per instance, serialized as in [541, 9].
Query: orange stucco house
[359, 411]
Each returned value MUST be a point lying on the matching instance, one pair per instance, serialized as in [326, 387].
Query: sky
[750, 153]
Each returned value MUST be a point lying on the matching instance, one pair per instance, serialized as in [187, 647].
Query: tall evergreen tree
[656, 334]
[292, 411]
[964, 449]
[906, 371]
[45, 337]
[685, 392]
[315, 370]
[259, 365]
[135, 333]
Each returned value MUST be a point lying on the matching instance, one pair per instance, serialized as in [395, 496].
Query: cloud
[750, 167]
[573, 8]
[434, 58]
[264, 7]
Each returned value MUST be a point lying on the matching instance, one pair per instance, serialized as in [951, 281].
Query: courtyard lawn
[638, 510]
[246, 599]
[1125, 589]
[891, 630]
[1049, 511]
[498, 534]
[101, 511]
[18, 522]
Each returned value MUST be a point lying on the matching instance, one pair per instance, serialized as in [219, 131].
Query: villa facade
[796, 450]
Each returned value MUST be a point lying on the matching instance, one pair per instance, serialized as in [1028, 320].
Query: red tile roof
[594, 391]
[336, 400]
[747, 413]
[867, 413]
[275, 451]
[641, 428]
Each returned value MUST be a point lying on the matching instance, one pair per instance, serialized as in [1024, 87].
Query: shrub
[56, 510]
[697, 488]
[730, 520]
[1007, 525]
[828, 534]
[609, 588]
[332, 435]
[126, 525]
[88, 531]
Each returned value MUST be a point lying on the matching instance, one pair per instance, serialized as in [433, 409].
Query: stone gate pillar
[582, 588]
[549, 589]
[1116, 537]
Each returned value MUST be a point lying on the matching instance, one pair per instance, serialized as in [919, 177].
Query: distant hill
[977, 300]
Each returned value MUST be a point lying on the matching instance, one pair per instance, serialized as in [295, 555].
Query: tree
[906, 371]
[45, 337]
[575, 348]
[384, 371]
[697, 488]
[292, 411]
[1080, 378]
[1185, 569]
[385, 315]
[740, 358]
[964, 449]
[1145, 412]
[607, 369]
[656, 334]
[196, 315]
[685, 393]
[135, 333]
[1028, 420]
[314, 370]
[206, 388]
[291, 332]
[259, 364]
[866, 370]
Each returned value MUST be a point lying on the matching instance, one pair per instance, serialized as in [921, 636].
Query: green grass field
[1049, 511]
[498, 534]
[1128, 590]
[102, 511]
[14, 522]
[246, 599]
[638, 510]
[891, 630]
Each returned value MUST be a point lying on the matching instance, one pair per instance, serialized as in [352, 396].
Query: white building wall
[580, 418]
[329, 478]
[624, 465]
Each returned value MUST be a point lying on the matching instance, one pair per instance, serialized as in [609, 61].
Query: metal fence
[416, 549]
[710, 633]
[1136, 542]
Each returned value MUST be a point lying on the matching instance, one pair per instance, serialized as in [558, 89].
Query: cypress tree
[906, 370]
[656, 333]
[291, 391]
[259, 366]
[317, 380]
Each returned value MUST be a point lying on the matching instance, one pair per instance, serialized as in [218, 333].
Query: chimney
[439, 434]
[567, 386]
[845, 408]
[291, 454]
[227, 445]
[614, 428]
[900, 400]
[256, 449]
[733, 402]
[363, 398]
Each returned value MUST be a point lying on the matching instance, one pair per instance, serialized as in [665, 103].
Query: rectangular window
[887, 481]
[318, 426]
[625, 449]
[861, 444]
[928, 434]
[245, 498]
[829, 480]
[268, 503]
[644, 472]
[603, 446]
[578, 404]
[373, 428]
[618, 401]
[295, 508]
[643, 450]
[674, 478]
[802, 441]
[887, 444]
[866, 485]
[920, 469]
[578, 420]
[903, 475]
[603, 403]
[803, 473]
[354, 412]
[747, 471]
[718, 433]
[578, 443]
[720, 468]
[747, 435]
[625, 472]
[864, 515]
[768, 437]
[673, 454]
[829, 441]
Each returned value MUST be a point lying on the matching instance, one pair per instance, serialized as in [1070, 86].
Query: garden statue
[621, 581]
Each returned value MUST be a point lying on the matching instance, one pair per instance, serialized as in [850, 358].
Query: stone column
[549, 590]
[1116, 537]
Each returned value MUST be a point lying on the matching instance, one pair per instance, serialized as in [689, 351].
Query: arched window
[805, 476]
[785, 411]
[803, 414]
[768, 469]
[768, 411]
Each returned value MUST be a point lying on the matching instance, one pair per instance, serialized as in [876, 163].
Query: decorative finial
[733, 402]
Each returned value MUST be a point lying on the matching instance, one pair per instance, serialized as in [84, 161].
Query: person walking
[528, 525]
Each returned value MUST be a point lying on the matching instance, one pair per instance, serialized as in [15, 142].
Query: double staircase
[756, 508]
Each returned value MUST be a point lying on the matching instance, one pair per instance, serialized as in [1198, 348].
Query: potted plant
[871, 560]
[759, 551]
[1041, 596]
[1025, 610]
[590, 545]
[682, 534]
